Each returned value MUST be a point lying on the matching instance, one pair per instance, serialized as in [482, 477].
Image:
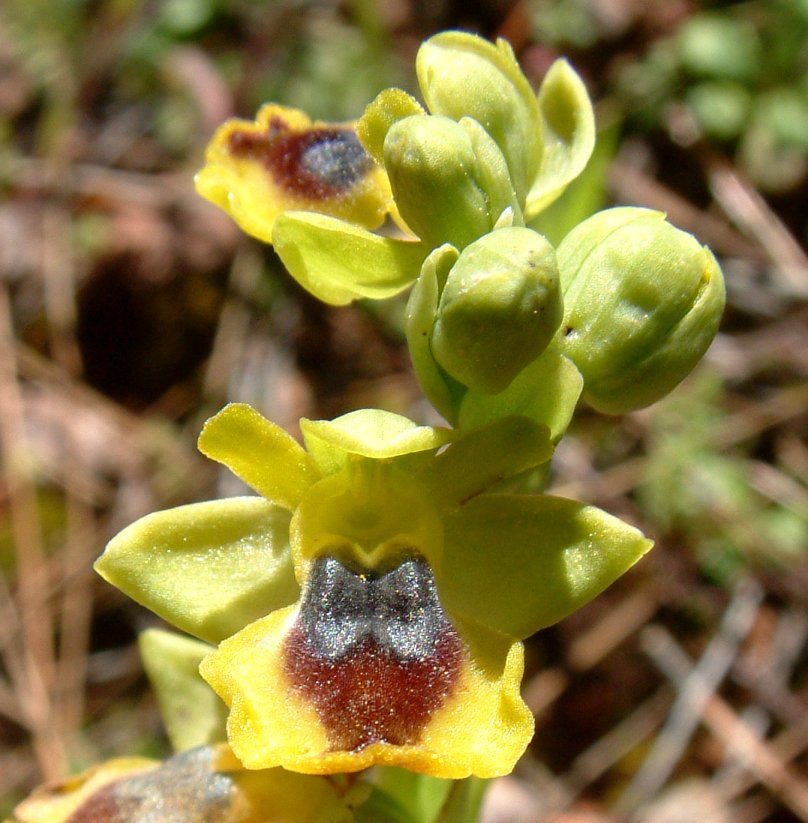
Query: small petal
[260, 452]
[372, 433]
[389, 106]
[208, 568]
[256, 170]
[367, 670]
[518, 563]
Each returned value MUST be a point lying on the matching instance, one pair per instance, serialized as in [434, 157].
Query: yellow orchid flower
[282, 161]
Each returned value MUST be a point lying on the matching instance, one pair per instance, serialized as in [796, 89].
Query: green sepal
[389, 106]
[483, 457]
[494, 176]
[209, 568]
[569, 135]
[339, 262]
[443, 392]
[519, 563]
[192, 712]
[546, 391]
[260, 452]
[462, 75]
[371, 433]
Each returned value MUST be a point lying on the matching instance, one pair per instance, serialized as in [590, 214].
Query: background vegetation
[130, 310]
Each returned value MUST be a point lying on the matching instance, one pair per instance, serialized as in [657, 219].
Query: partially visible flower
[203, 785]
[283, 161]
[416, 583]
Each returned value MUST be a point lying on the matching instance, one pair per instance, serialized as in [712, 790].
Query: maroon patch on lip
[369, 696]
[318, 164]
[374, 654]
[100, 807]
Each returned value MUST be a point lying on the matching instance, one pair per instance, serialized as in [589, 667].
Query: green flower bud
[437, 180]
[462, 75]
[498, 310]
[643, 301]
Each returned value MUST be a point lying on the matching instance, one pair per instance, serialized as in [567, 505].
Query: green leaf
[261, 453]
[209, 568]
[339, 262]
[192, 712]
[519, 563]
[569, 135]
[546, 391]
[370, 433]
[485, 456]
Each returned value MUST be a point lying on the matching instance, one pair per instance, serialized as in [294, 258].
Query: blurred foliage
[132, 89]
[719, 501]
[741, 72]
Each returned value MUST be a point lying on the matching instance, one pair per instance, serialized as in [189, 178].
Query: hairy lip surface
[374, 653]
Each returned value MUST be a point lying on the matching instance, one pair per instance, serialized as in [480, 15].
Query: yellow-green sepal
[568, 135]
[443, 391]
[518, 563]
[546, 391]
[209, 568]
[339, 262]
[193, 715]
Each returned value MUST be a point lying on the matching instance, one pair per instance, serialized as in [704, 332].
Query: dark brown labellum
[375, 653]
